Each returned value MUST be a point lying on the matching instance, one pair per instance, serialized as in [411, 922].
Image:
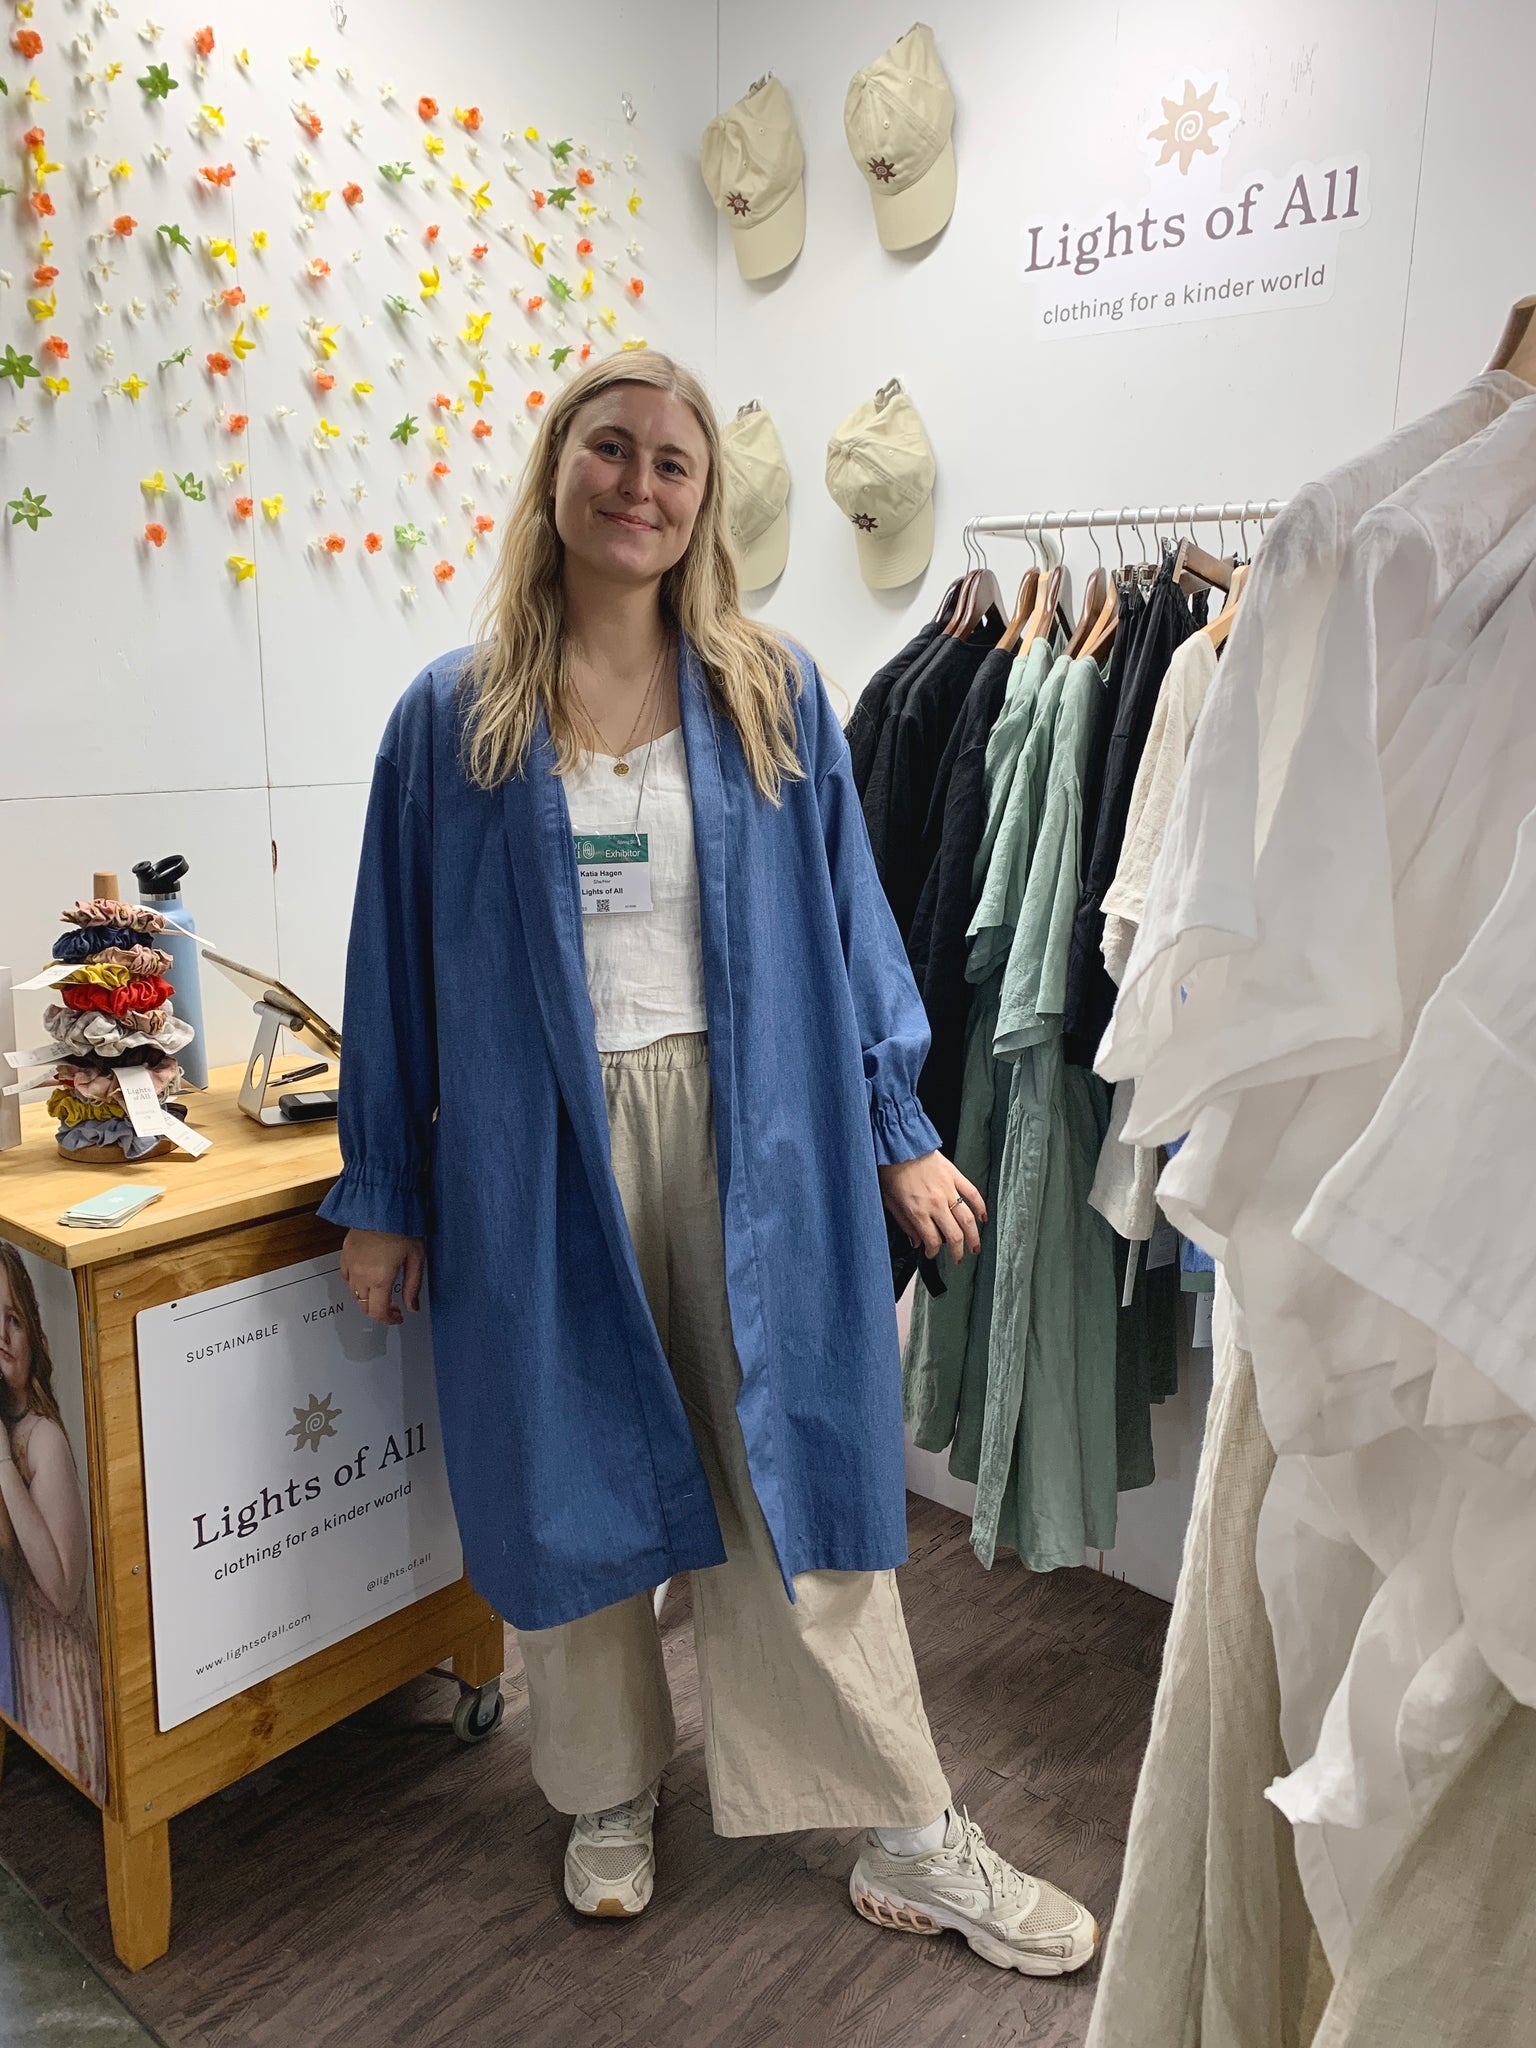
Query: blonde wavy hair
[521, 664]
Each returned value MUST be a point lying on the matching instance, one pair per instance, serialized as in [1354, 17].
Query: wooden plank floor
[384, 1885]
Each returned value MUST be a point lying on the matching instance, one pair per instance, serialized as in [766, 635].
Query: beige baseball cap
[898, 116]
[756, 496]
[753, 164]
[880, 470]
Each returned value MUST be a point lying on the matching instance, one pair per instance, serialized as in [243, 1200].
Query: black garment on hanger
[862, 731]
[936, 944]
[1167, 623]
[919, 719]
[1133, 614]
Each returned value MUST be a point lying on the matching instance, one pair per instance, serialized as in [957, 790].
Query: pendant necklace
[621, 766]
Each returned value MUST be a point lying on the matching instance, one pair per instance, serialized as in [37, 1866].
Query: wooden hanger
[1218, 629]
[1193, 560]
[1047, 604]
[1023, 606]
[1516, 351]
[980, 599]
[1095, 597]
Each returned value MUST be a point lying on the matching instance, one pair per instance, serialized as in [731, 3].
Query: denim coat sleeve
[893, 1027]
[389, 1088]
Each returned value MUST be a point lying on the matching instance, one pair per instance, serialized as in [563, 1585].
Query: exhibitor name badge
[1194, 242]
[294, 1479]
[614, 870]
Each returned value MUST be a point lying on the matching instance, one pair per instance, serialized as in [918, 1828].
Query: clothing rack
[1125, 516]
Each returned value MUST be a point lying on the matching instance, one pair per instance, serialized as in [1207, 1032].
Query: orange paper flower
[585, 352]
[440, 469]
[236, 422]
[433, 232]
[334, 544]
[442, 401]
[244, 507]
[233, 296]
[481, 429]
[218, 363]
[535, 400]
[325, 380]
[426, 106]
[585, 178]
[35, 140]
[444, 572]
[373, 542]
[353, 194]
[27, 43]
[534, 303]
[469, 117]
[154, 533]
[584, 247]
[202, 41]
[318, 267]
[218, 174]
[44, 274]
[540, 199]
[483, 522]
[40, 204]
[56, 345]
[637, 286]
[311, 120]
[480, 249]
[124, 225]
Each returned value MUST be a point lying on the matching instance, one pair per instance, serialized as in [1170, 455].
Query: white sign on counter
[293, 1476]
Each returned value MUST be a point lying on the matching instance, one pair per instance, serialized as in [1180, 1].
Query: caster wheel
[478, 1714]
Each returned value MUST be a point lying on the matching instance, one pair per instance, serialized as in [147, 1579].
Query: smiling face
[629, 483]
[15, 1350]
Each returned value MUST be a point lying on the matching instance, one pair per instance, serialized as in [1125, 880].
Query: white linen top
[645, 968]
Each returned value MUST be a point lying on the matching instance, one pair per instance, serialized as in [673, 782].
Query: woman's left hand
[935, 1205]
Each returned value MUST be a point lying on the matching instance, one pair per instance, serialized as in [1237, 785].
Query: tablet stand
[258, 1068]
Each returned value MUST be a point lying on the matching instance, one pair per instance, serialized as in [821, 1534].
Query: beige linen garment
[812, 1713]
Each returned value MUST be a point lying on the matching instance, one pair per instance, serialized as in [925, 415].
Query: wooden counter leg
[138, 1891]
[480, 1657]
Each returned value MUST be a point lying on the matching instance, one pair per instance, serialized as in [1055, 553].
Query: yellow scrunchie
[71, 1109]
[100, 976]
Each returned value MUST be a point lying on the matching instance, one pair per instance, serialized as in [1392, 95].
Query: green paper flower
[559, 290]
[396, 304]
[30, 506]
[409, 537]
[561, 151]
[180, 356]
[395, 172]
[173, 235]
[157, 82]
[403, 430]
[557, 358]
[17, 368]
[562, 196]
[189, 486]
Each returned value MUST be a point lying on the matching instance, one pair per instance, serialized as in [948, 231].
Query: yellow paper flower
[243, 567]
[362, 388]
[432, 144]
[220, 245]
[638, 342]
[211, 117]
[36, 94]
[324, 428]
[325, 340]
[153, 486]
[473, 330]
[44, 309]
[112, 71]
[440, 435]
[607, 316]
[315, 201]
[56, 385]
[584, 289]
[240, 343]
[273, 506]
[535, 350]
[430, 280]
[634, 202]
[122, 168]
[478, 387]
[132, 385]
[260, 312]
[258, 238]
[480, 200]
[530, 135]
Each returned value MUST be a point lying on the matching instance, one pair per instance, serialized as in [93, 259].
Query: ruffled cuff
[361, 1200]
[902, 1130]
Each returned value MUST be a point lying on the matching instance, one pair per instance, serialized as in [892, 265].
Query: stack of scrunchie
[114, 1011]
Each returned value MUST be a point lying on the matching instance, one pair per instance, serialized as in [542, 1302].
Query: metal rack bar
[1125, 515]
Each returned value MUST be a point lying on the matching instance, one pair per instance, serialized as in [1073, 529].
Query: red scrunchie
[146, 994]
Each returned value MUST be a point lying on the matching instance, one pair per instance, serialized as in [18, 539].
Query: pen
[300, 1074]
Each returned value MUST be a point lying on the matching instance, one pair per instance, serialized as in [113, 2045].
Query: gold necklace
[621, 765]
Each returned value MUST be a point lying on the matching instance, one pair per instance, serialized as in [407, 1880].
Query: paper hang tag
[1132, 1261]
[147, 1114]
[614, 871]
[27, 1087]
[1162, 1246]
[40, 1056]
[51, 976]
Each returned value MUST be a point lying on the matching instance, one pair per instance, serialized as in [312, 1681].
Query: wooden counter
[245, 1208]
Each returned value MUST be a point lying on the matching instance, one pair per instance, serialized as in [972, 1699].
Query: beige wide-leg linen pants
[812, 1713]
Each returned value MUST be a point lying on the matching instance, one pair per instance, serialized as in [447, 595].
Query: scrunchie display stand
[114, 1011]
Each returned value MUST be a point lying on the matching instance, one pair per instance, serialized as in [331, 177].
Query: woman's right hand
[370, 1260]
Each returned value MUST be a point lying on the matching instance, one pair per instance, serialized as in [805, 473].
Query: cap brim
[886, 563]
[769, 246]
[761, 561]
[906, 218]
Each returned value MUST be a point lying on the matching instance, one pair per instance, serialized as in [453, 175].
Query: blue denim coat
[472, 1113]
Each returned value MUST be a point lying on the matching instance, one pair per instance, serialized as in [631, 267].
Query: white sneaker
[610, 1861]
[1017, 1922]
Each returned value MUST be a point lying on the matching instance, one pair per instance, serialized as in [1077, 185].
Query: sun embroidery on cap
[864, 522]
[738, 202]
[882, 168]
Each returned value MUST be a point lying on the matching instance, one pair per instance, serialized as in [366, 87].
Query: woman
[629, 1030]
[45, 1546]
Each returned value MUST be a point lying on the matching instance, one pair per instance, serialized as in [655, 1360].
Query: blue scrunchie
[84, 942]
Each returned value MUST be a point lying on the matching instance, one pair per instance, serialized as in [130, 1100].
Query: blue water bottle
[160, 887]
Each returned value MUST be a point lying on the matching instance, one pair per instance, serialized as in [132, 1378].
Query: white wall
[150, 703]
[1054, 105]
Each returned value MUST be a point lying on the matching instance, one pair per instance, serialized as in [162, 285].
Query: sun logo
[882, 169]
[314, 1422]
[864, 522]
[1187, 125]
[738, 202]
